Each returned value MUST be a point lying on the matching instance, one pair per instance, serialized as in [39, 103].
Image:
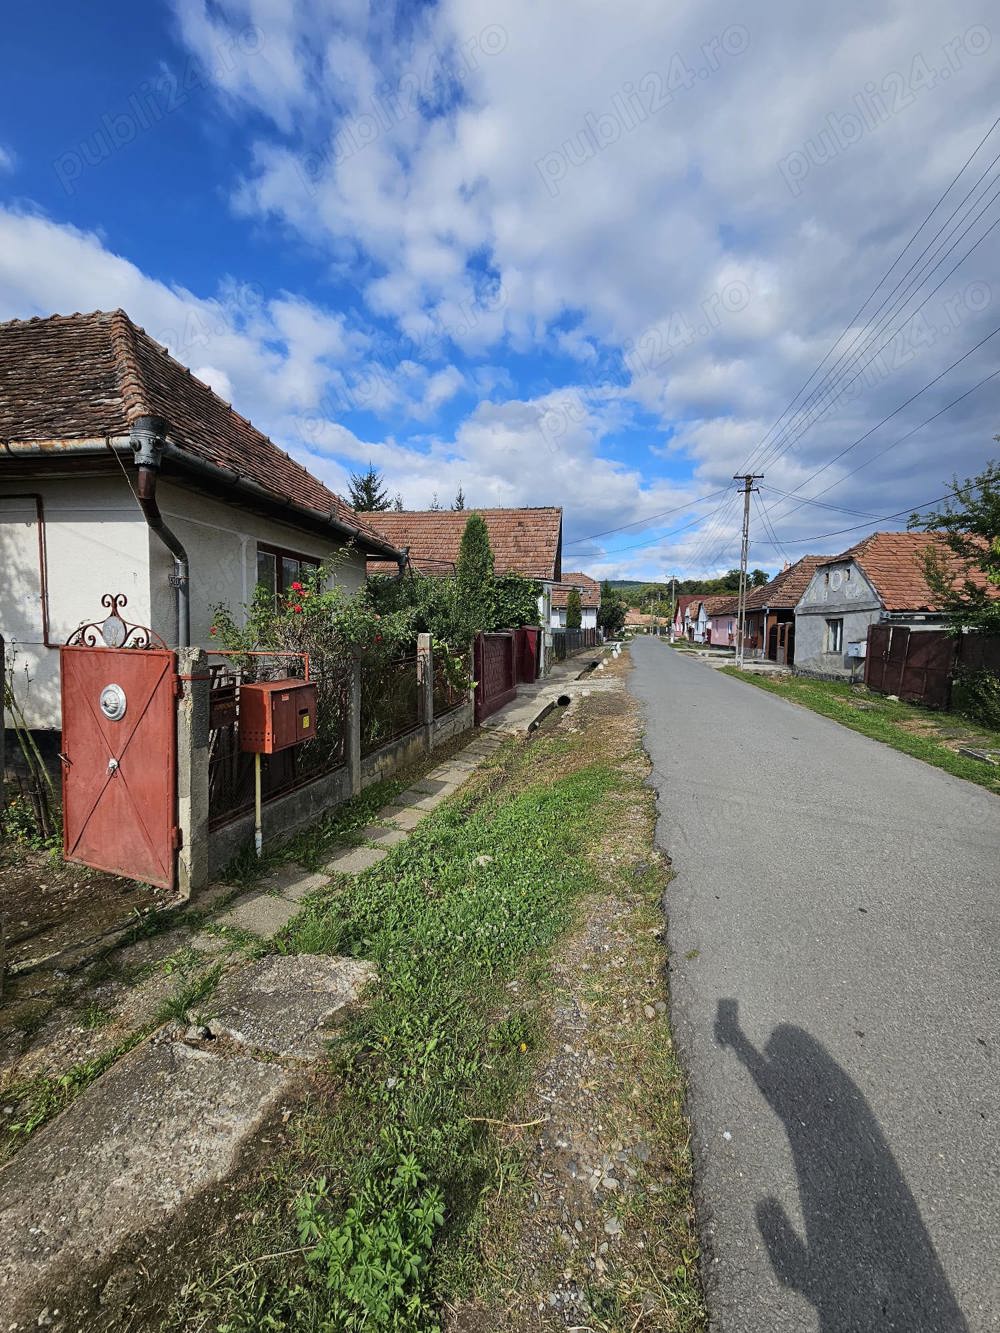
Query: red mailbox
[276, 714]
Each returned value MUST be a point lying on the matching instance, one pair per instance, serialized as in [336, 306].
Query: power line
[790, 495]
[801, 500]
[883, 518]
[843, 386]
[896, 411]
[649, 519]
[653, 541]
[763, 441]
[769, 526]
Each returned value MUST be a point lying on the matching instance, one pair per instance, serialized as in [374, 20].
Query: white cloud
[8, 160]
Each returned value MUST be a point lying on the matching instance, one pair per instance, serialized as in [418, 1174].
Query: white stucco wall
[221, 542]
[98, 542]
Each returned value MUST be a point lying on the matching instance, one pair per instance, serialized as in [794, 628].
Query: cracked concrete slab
[261, 914]
[405, 819]
[165, 1123]
[282, 1004]
[292, 882]
[354, 860]
[383, 836]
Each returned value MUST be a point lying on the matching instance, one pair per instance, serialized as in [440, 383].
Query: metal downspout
[148, 436]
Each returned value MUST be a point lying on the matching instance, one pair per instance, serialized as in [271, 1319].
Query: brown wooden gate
[914, 664]
[119, 756]
[495, 673]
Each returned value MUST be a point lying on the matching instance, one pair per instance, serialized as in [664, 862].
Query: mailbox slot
[276, 714]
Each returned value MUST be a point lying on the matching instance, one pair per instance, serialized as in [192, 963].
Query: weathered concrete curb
[167, 1123]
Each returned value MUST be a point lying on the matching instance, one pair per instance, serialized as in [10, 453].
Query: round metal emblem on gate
[113, 702]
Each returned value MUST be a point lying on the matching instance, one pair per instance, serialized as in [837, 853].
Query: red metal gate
[119, 754]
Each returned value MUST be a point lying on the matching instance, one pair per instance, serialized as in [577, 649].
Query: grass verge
[915, 731]
[378, 1215]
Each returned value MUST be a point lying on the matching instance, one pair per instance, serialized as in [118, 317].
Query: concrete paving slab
[354, 860]
[383, 836]
[166, 1123]
[407, 818]
[292, 882]
[431, 784]
[284, 1005]
[262, 914]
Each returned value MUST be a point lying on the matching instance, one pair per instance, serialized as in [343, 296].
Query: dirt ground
[49, 906]
[602, 1234]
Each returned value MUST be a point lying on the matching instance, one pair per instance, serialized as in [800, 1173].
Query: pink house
[721, 614]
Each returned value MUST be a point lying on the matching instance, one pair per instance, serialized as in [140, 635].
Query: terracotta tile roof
[892, 562]
[524, 541]
[590, 590]
[786, 588]
[722, 605]
[684, 601]
[87, 377]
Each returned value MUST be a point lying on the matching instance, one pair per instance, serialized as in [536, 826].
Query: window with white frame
[835, 636]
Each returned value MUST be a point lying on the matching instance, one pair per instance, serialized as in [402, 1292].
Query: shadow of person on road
[867, 1263]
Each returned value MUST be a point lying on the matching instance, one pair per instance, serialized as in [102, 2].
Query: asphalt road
[835, 938]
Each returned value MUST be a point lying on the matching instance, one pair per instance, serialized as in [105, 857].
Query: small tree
[963, 571]
[574, 610]
[611, 612]
[459, 500]
[435, 502]
[366, 492]
[757, 578]
[397, 503]
[474, 574]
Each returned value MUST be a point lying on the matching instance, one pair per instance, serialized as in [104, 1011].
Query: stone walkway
[278, 897]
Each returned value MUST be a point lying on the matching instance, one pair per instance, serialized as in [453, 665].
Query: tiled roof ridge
[135, 362]
[126, 356]
[473, 509]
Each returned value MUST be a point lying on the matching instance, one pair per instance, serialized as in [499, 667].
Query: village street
[834, 963]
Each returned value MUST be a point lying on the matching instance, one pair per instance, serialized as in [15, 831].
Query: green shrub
[977, 696]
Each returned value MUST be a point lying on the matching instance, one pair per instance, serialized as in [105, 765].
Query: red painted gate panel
[120, 761]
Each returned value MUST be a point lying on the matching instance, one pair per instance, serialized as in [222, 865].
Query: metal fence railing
[231, 770]
[566, 642]
[390, 702]
[446, 695]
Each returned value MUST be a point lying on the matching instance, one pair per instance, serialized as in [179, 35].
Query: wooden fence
[919, 665]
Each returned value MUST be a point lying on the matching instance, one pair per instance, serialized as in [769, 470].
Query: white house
[111, 453]
[590, 600]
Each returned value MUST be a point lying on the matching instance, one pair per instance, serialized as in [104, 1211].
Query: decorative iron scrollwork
[114, 631]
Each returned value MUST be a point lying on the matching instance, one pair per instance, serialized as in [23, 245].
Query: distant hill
[635, 592]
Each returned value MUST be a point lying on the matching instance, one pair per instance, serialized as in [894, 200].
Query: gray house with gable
[880, 580]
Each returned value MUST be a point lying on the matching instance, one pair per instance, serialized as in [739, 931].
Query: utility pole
[748, 480]
[673, 605]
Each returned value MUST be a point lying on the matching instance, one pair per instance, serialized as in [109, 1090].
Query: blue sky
[578, 255]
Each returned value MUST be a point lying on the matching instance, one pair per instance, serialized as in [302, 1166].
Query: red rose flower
[296, 587]
[214, 629]
[378, 638]
[297, 608]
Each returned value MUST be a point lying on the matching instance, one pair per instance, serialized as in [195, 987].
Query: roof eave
[198, 467]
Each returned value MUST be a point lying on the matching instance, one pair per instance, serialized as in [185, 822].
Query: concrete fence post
[425, 687]
[192, 769]
[354, 730]
[3, 728]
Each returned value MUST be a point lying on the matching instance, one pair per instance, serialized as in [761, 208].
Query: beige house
[111, 454]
